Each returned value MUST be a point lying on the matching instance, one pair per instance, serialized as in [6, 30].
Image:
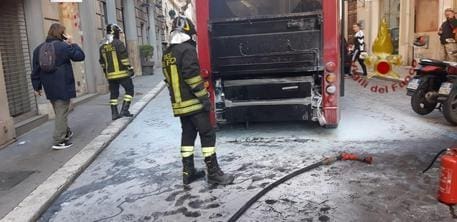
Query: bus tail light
[331, 89]
[330, 84]
[330, 67]
[205, 73]
[330, 78]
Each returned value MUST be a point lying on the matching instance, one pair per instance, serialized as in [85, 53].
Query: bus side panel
[331, 37]
[203, 45]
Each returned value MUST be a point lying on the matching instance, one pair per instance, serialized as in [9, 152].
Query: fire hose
[326, 161]
[434, 159]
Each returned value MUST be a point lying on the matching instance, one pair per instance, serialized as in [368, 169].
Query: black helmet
[184, 25]
[113, 29]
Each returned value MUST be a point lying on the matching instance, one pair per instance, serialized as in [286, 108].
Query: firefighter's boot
[114, 112]
[125, 109]
[215, 174]
[189, 173]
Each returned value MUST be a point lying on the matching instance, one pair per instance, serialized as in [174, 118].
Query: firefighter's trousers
[193, 124]
[126, 83]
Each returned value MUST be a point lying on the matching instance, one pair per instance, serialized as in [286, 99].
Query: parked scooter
[435, 87]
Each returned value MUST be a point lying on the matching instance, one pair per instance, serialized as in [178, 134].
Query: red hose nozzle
[350, 156]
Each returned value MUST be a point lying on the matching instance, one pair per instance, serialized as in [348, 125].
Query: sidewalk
[27, 163]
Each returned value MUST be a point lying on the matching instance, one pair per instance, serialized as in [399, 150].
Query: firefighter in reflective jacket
[115, 63]
[190, 102]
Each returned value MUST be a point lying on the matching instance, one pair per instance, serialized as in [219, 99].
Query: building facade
[24, 26]
[407, 21]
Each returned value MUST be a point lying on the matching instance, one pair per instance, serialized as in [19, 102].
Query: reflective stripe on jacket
[182, 73]
[114, 60]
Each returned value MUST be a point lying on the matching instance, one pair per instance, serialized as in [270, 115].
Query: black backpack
[47, 57]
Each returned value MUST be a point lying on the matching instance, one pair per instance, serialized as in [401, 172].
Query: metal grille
[16, 58]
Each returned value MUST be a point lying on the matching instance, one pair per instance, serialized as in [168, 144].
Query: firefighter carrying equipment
[182, 74]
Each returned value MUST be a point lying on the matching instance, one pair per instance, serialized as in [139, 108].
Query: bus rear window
[223, 9]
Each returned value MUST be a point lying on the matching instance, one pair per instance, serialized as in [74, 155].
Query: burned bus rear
[266, 60]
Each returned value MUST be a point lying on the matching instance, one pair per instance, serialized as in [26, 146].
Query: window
[392, 15]
[141, 34]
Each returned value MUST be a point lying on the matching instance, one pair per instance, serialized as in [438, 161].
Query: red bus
[271, 60]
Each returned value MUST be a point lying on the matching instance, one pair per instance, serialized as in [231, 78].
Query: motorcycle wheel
[418, 102]
[450, 107]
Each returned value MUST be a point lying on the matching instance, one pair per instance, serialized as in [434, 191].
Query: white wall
[433, 50]
[369, 13]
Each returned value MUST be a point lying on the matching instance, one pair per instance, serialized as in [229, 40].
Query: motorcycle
[434, 87]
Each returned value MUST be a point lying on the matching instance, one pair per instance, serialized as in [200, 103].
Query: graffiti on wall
[70, 18]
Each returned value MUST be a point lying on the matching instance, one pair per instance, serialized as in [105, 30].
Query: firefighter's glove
[131, 72]
[206, 103]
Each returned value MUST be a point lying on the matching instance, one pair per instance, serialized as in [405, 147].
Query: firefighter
[190, 102]
[114, 60]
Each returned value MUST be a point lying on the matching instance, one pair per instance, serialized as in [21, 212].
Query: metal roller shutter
[14, 50]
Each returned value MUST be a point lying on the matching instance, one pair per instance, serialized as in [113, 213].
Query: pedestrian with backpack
[53, 72]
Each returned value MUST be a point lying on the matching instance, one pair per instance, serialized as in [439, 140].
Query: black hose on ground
[326, 161]
[434, 159]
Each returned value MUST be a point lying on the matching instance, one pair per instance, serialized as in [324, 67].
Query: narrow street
[138, 176]
[118, 155]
